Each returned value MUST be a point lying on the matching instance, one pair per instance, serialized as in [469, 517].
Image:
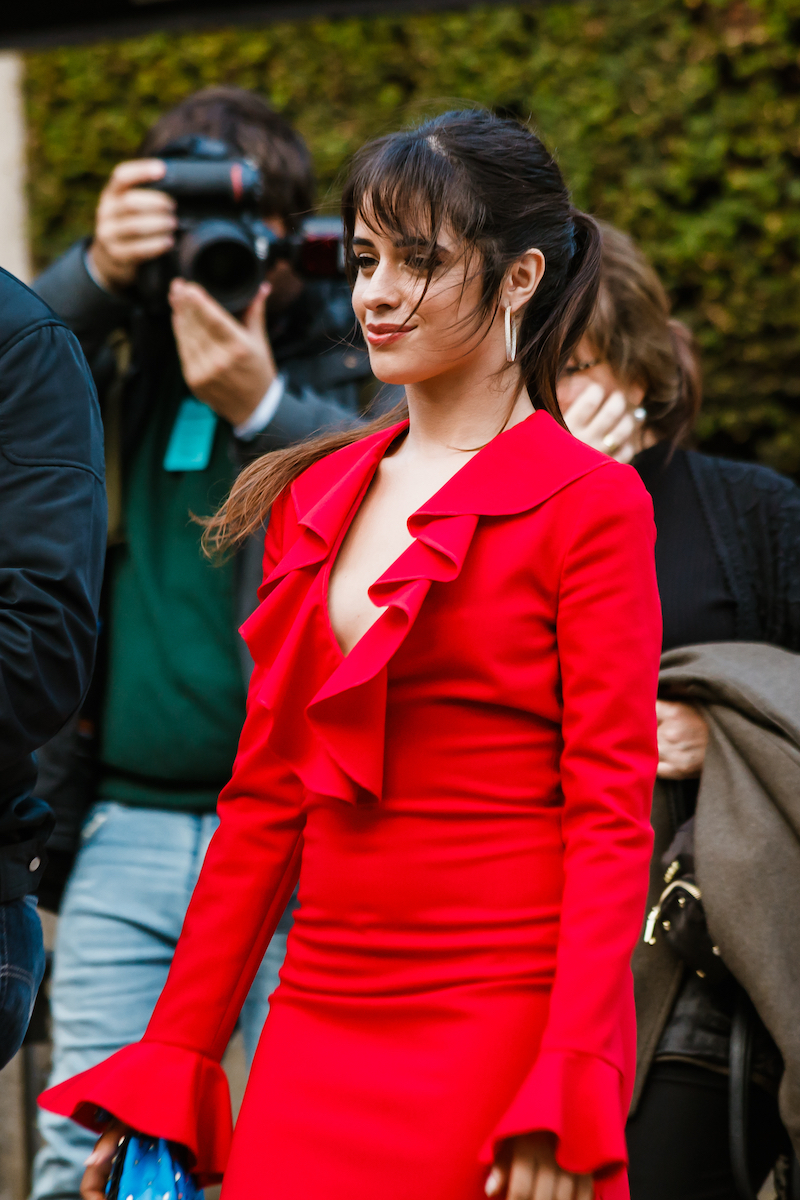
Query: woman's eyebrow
[407, 243]
[416, 243]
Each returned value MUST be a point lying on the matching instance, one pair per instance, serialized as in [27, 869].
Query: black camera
[221, 241]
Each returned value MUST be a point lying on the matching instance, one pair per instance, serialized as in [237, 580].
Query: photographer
[146, 761]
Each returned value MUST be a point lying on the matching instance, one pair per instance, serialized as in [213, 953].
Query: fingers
[682, 740]
[135, 202]
[138, 170]
[253, 318]
[133, 224]
[192, 300]
[534, 1173]
[98, 1164]
[585, 1188]
[583, 410]
[523, 1176]
[605, 421]
[198, 321]
[497, 1180]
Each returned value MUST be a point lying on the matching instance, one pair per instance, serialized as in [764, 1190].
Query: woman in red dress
[450, 739]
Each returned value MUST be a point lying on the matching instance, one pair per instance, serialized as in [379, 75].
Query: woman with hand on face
[728, 566]
[450, 739]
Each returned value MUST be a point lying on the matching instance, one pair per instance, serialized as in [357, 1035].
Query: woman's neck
[460, 413]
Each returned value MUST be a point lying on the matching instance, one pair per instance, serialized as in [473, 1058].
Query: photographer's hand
[133, 224]
[228, 364]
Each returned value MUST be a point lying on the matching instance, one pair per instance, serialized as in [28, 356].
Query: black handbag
[680, 913]
[681, 917]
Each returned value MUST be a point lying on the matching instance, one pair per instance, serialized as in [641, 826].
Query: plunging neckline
[345, 529]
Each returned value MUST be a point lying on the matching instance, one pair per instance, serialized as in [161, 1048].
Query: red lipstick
[383, 333]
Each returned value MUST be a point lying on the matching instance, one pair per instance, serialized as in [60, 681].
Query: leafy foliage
[679, 120]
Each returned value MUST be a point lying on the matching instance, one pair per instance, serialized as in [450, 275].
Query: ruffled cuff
[164, 1091]
[579, 1098]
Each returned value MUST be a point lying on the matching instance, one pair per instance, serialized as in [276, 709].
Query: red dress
[466, 798]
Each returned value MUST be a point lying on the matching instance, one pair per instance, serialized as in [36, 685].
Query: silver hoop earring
[511, 335]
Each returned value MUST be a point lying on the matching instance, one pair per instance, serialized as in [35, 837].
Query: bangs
[407, 187]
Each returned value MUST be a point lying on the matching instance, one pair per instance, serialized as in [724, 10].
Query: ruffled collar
[328, 709]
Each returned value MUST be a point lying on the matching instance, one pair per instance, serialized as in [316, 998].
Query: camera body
[221, 241]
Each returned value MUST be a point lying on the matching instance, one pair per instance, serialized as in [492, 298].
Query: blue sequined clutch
[146, 1168]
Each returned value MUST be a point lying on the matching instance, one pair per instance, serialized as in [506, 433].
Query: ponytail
[549, 344]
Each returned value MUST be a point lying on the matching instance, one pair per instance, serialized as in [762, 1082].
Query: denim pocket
[22, 962]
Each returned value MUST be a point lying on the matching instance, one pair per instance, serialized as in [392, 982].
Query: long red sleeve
[608, 646]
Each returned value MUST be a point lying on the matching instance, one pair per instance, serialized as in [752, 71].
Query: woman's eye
[365, 262]
[424, 264]
[576, 368]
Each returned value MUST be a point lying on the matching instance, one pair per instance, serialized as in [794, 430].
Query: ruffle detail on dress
[329, 716]
[161, 1090]
[329, 710]
[580, 1099]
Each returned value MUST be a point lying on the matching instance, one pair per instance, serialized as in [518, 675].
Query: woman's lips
[384, 335]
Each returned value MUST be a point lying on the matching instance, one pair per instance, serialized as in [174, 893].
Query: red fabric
[469, 789]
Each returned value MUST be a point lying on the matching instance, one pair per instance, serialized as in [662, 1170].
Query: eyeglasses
[578, 367]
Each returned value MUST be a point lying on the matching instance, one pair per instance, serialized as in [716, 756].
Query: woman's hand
[607, 419]
[682, 740]
[526, 1169]
[98, 1164]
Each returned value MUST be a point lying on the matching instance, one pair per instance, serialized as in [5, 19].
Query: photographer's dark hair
[492, 182]
[253, 129]
[632, 330]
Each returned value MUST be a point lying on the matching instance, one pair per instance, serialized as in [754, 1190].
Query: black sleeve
[52, 547]
[90, 311]
[784, 522]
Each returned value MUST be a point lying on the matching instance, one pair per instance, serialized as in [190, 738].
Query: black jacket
[753, 515]
[52, 544]
[328, 382]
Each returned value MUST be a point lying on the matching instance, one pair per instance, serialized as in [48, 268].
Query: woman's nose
[383, 289]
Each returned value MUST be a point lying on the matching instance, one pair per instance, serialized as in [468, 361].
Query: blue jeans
[21, 971]
[119, 922]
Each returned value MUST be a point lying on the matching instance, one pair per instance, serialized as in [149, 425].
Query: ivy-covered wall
[677, 119]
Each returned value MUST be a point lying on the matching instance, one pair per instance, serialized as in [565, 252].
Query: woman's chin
[389, 372]
[389, 368]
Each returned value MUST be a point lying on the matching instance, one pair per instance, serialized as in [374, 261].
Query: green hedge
[677, 119]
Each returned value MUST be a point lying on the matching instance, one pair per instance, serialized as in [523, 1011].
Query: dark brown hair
[251, 128]
[495, 186]
[632, 330]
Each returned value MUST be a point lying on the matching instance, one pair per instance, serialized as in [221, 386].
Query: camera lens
[223, 267]
[221, 257]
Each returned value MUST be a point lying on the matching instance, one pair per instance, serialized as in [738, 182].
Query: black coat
[328, 381]
[753, 516]
[52, 544]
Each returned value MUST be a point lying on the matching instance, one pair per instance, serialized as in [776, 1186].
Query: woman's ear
[523, 279]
